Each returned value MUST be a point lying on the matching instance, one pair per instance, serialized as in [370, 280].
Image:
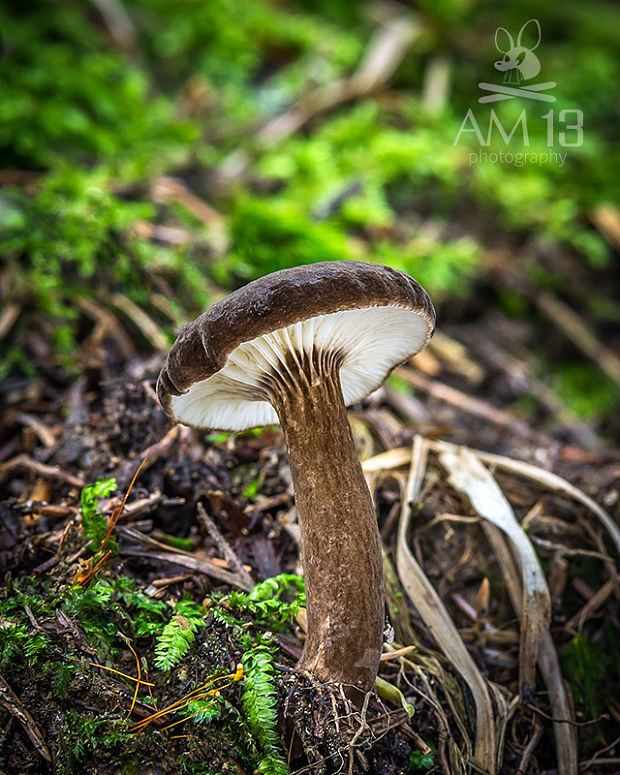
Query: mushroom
[296, 347]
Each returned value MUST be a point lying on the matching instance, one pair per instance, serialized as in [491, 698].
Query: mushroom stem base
[340, 543]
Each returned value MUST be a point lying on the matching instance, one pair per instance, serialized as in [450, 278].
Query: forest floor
[208, 515]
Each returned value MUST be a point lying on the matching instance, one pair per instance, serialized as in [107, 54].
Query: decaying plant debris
[207, 519]
[193, 154]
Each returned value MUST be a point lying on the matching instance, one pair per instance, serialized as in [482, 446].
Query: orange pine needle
[114, 670]
[196, 694]
[187, 718]
[116, 513]
[150, 692]
[135, 695]
[172, 708]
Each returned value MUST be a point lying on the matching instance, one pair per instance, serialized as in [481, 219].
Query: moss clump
[219, 657]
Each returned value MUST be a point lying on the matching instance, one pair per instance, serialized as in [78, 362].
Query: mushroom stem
[340, 545]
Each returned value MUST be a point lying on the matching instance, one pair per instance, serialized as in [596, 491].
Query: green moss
[378, 178]
[443, 268]
[47, 114]
[94, 524]
[585, 391]
[110, 612]
[177, 636]
[75, 240]
[18, 645]
[82, 734]
[271, 603]
[585, 666]
[267, 236]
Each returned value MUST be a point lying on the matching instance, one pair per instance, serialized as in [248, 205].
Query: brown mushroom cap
[373, 316]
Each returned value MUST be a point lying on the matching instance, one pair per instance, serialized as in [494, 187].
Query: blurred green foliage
[98, 119]
[94, 523]
[68, 96]
[589, 394]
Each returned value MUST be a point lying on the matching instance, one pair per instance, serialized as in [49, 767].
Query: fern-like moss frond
[260, 708]
[178, 635]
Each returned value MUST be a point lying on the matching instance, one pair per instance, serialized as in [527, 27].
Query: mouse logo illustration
[518, 64]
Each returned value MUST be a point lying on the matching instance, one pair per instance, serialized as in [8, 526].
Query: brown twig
[548, 662]
[519, 370]
[161, 448]
[187, 561]
[44, 434]
[8, 318]
[383, 56]
[167, 189]
[466, 403]
[117, 22]
[268, 503]
[151, 331]
[529, 748]
[385, 52]
[579, 334]
[594, 603]
[13, 704]
[168, 235]
[41, 469]
[606, 218]
[107, 323]
[222, 544]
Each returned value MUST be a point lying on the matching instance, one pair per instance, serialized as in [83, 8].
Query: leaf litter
[477, 704]
[470, 623]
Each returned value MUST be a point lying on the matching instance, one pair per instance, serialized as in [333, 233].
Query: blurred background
[156, 154]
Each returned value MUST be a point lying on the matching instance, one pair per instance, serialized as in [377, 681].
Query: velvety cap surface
[374, 316]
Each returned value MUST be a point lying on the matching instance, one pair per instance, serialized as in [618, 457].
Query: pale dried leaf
[469, 476]
[548, 662]
[438, 620]
[550, 481]
[546, 479]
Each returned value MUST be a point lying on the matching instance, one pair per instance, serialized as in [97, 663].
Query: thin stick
[579, 334]
[41, 469]
[466, 403]
[113, 670]
[222, 544]
[15, 707]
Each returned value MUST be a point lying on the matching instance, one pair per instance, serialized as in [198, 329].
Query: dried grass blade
[548, 663]
[385, 461]
[544, 479]
[469, 477]
[401, 456]
[437, 619]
